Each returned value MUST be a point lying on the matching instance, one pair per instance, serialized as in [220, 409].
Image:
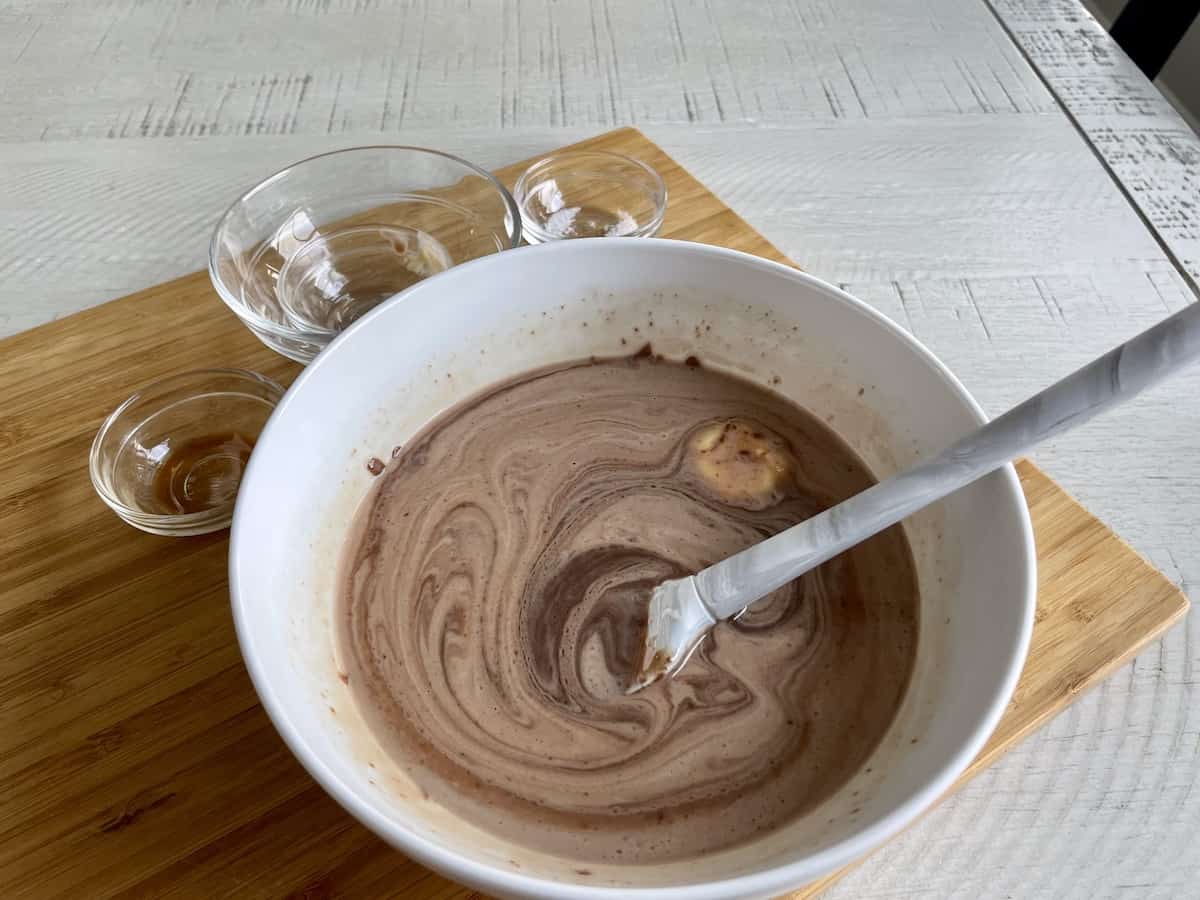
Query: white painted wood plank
[1153, 152]
[854, 201]
[129, 69]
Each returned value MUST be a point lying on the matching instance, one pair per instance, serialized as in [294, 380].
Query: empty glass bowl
[590, 193]
[306, 252]
[170, 458]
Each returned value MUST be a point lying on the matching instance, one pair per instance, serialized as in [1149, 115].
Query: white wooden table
[1017, 220]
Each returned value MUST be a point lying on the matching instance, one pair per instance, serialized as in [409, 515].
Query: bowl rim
[275, 329]
[766, 881]
[139, 517]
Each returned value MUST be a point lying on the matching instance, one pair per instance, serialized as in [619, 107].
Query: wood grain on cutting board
[134, 756]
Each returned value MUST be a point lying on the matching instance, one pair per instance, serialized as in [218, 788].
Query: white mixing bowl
[449, 337]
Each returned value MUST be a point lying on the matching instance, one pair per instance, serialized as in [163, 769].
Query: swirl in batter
[493, 603]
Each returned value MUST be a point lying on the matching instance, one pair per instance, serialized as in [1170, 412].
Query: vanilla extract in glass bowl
[170, 459]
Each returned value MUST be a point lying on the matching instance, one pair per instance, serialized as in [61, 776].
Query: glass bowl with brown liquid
[169, 459]
[589, 193]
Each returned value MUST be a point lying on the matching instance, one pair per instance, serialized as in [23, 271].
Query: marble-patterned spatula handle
[730, 585]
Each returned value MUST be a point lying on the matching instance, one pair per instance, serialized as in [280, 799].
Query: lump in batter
[743, 464]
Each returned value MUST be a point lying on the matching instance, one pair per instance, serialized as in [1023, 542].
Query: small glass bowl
[310, 249]
[590, 193]
[170, 458]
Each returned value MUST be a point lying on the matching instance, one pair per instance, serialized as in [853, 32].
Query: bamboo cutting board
[134, 756]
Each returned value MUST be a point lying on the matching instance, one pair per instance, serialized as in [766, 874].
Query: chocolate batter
[494, 597]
